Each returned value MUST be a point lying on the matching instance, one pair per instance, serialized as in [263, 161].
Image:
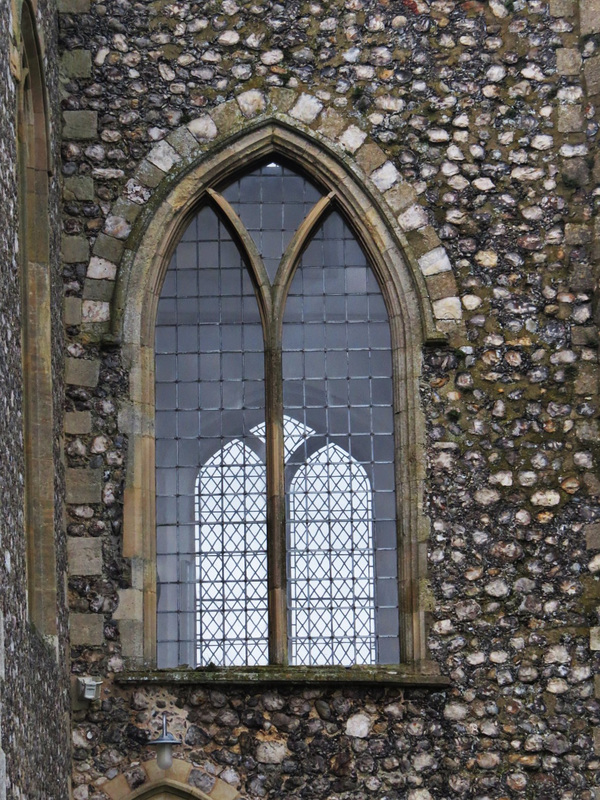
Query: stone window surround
[35, 165]
[133, 252]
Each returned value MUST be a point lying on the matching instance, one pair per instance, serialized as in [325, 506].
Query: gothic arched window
[276, 531]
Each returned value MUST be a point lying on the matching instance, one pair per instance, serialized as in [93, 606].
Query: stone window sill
[423, 676]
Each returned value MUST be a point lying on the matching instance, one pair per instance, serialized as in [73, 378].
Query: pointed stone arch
[140, 236]
[180, 781]
[168, 790]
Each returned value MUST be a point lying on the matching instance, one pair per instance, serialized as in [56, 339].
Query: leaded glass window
[274, 436]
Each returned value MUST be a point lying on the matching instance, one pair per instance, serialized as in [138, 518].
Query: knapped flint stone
[196, 736]
[271, 752]
[202, 781]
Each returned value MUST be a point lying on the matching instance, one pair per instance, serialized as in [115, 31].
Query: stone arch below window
[180, 781]
[371, 202]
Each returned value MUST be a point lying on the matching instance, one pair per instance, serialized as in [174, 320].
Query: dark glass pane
[343, 593]
[209, 362]
[272, 201]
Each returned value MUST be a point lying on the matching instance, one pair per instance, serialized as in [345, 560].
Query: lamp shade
[164, 746]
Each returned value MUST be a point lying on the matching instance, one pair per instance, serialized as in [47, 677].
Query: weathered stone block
[74, 249]
[2, 774]
[76, 64]
[562, 8]
[577, 234]
[78, 422]
[163, 156]
[108, 247]
[423, 240]
[131, 604]
[400, 197]
[100, 269]
[591, 69]
[87, 629]
[589, 11]
[97, 290]
[223, 791]
[95, 310]
[149, 175]
[587, 380]
[203, 128]
[385, 177]
[85, 556]
[575, 172]
[442, 285]
[83, 486]
[435, 262]
[72, 311]
[73, 6]
[588, 430]
[185, 144]
[132, 638]
[78, 187]
[568, 61]
[180, 770]
[282, 99]
[118, 788]
[332, 123]
[251, 103]
[414, 217]
[116, 226]
[306, 109]
[594, 638]
[227, 117]
[583, 337]
[596, 741]
[80, 124]
[570, 118]
[201, 780]
[447, 308]
[369, 157]
[81, 372]
[352, 138]
[126, 209]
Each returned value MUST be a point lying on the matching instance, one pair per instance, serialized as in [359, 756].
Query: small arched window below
[276, 525]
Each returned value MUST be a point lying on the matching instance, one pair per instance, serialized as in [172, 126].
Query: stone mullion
[276, 505]
[276, 526]
[276, 521]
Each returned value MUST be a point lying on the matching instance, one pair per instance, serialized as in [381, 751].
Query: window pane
[272, 201]
[341, 503]
[210, 484]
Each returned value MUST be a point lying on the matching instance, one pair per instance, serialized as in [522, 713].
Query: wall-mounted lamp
[164, 746]
[89, 688]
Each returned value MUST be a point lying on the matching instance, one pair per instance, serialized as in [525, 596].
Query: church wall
[34, 718]
[487, 114]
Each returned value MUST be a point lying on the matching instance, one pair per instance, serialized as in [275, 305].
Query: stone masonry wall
[487, 112]
[34, 736]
